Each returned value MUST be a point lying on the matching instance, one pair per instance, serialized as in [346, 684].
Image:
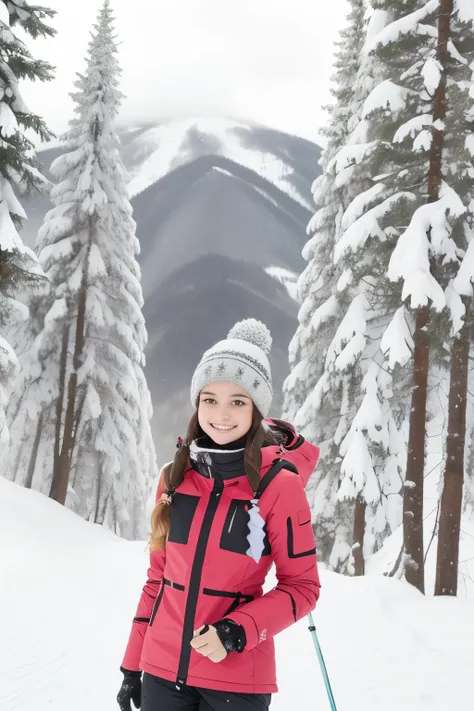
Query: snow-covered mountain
[152, 152]
[69, 590]
[221, 210]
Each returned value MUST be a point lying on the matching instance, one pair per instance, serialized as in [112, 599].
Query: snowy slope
[287, 278]
[69, 590]
[157, 150]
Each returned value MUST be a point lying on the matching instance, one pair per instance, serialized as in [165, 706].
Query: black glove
[131, 690]
[231, 635]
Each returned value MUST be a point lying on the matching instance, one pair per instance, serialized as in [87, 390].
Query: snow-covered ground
[68, 591]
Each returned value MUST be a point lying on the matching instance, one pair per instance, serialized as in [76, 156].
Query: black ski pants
[161, 695]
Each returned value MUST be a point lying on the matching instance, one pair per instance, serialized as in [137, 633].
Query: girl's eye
[209, 401]
[239, 403]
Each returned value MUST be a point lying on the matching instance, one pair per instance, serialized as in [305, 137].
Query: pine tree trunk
[414, 481]
[413, 492]
[59, 492]
[98, 493]
[451, 499]
[34, 452]
[78, 418]
[358, 537]
[59, 408]
[60, 486]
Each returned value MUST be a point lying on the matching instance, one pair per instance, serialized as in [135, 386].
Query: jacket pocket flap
[304, 517]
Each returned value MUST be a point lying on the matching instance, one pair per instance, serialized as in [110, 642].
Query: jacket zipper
[232, 520]
[195, 581]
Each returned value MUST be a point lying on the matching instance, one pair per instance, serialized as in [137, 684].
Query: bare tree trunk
[60, 486]
[451, 500]
[358, 536]
[413, 493]
[34, 452]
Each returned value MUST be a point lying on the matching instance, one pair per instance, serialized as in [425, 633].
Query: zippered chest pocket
[235, 531]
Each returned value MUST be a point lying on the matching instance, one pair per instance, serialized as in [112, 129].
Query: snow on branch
[367, 226]
[387, 95]
[403, 26]
[428, 234]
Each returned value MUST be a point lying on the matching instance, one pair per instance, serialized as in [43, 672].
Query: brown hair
[257, 437]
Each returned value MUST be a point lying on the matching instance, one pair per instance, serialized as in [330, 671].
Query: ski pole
[312, 629]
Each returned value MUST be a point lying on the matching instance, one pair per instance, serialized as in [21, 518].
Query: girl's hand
[208, 644]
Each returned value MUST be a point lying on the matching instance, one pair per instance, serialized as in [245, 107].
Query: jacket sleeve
[293, 550]
[131, 660]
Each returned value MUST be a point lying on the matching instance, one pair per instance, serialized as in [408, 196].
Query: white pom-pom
[252, 331]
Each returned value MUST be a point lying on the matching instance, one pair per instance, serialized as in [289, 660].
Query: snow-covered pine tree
[349, 389]
[312, 399]
[391, 114]
[370, 447]
[410, 222]
[19, 269]
[95, 452]
[315, 285]
[456, 60]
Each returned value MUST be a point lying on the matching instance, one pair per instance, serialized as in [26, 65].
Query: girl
[230, 504]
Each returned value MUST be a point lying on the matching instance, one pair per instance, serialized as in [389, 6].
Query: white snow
[324, 312]
[8, 120]
[360, 204]
[431, 72]
[456, 308]
[465, 275]
[412, 127]
[410, 258]
[405, 25]
[422, 142]
[376, 21]
[70, 588]
[350, 338]
[165, 147]
[9, 196]
[465, 9]
[9, 238]
[366, 226]
[397, 342]
[8, 366]
[286, 277]
[386, 95]
[345, 160]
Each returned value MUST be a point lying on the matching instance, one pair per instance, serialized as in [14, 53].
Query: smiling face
[225, 412]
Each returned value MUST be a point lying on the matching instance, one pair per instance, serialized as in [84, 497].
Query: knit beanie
[240, 359]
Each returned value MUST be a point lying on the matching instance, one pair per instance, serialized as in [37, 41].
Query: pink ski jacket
[205, 574]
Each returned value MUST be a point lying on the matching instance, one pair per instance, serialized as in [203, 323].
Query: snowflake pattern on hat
[240, 359]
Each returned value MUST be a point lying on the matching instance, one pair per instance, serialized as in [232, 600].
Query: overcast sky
[264, 60]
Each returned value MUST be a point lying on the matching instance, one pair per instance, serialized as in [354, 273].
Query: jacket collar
[217, 461]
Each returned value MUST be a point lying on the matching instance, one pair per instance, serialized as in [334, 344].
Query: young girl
[231, 503]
